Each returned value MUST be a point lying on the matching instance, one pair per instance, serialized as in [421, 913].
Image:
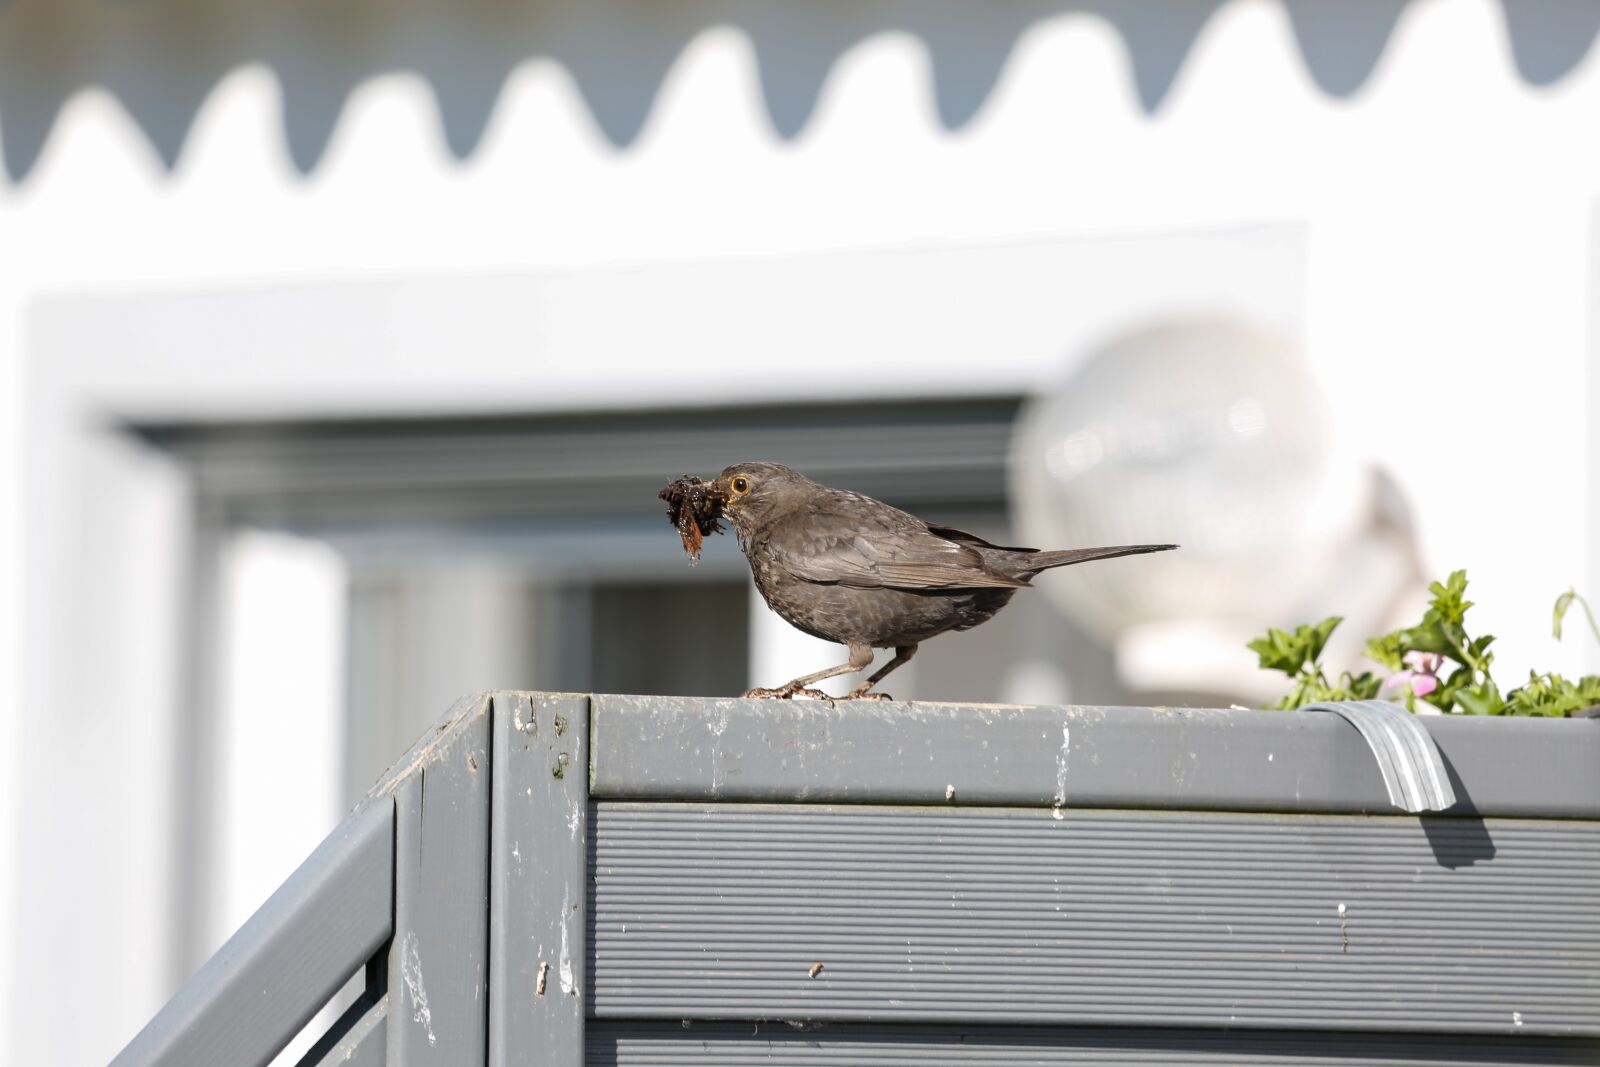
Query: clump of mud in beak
[694, 507]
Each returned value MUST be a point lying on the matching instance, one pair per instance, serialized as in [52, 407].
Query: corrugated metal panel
[667, 1044]
[1098, 917]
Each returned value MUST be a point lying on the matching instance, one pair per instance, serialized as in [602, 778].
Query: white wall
[1446, 208]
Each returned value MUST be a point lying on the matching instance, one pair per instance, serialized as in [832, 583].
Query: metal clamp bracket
[1411, 764]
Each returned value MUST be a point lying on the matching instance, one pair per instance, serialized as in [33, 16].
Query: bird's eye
[741, 485]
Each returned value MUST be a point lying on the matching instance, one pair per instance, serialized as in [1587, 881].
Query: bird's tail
[1043, 561]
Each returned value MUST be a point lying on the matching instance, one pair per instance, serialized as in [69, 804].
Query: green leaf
[1588, 690]
[1551, 694]
[1430, 636]
[1288, 652]
[1450, 601]
[1563, 602]
[1481, 699]
[1317, 636]
[1279, 651]
[1443, 698]
[1363, 686]
[1441, 630]
[1387, 650]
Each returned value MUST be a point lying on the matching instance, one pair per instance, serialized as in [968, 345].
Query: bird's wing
[950, 533]
[877, 547]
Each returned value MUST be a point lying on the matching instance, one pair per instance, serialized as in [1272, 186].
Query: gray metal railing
[569, 878]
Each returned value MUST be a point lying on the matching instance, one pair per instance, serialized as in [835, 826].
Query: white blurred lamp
[1204, 432]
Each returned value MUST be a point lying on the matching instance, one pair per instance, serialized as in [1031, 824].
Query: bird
[846, 568]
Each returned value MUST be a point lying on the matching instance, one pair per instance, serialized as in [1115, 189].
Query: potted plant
[1435, 666]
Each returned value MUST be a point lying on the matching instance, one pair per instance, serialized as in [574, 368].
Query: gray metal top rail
[1076, 757]
[596, 879]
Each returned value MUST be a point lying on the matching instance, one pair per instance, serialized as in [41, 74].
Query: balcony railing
[560, 878]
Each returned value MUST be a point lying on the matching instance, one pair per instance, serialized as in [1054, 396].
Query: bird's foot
[863, 693]
[786, 693]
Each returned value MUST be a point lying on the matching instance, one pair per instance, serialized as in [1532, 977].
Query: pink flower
[1422, 674]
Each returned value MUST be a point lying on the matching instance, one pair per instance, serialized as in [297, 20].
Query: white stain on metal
[949, 792]
[718, 725]
[1516, 1018]
[1061, 774]
[528, 726]
[574, 820]
[411, 971]
[565, 968]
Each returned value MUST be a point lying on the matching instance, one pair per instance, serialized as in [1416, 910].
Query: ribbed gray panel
[669, 1044]
[1098, 917]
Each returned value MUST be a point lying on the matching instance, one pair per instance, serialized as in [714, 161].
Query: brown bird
[845, 567]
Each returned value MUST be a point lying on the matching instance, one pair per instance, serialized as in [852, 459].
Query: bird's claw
[862, 694]
[786, 693]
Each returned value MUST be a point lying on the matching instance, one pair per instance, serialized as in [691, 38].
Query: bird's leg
[861, 692]
[860, 658]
